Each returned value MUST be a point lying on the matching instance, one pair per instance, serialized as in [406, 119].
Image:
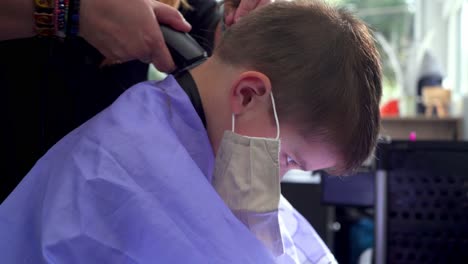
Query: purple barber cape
[132, 185]
[302, 244]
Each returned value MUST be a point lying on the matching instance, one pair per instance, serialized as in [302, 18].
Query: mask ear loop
[275, 114]
[233, 122]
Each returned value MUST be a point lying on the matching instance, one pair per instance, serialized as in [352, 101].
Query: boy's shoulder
[147, 122]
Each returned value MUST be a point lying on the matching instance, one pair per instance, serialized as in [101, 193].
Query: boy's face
[251, 103]
[228, 91]
[295, 152]
[299, 153]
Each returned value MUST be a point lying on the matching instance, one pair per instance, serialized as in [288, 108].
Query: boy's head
[323, 68]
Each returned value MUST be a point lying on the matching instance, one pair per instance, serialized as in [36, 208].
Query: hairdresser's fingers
[158, 51]
[125, 30]
[247, 6]
[229, 11]
[116, 55]
[160, 55]
[141, 46]
[229, 18]
[168, 15]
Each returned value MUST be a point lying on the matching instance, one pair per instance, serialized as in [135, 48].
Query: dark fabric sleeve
[49, 88]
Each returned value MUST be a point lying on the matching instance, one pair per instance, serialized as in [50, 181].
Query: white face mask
[247, 178]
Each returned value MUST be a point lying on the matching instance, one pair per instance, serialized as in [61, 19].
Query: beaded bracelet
[61, 11]
[51, 17]
[44, 17]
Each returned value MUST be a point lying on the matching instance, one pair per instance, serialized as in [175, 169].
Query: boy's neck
[213, 80]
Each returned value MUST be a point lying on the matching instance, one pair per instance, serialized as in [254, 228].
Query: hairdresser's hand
[124, 30]
[232, 15]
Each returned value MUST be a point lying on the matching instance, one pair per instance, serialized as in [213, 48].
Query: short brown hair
[324, 68]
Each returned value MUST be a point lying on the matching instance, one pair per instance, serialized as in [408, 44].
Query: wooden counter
[450, 128]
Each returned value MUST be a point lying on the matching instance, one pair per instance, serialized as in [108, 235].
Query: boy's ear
[251, 89]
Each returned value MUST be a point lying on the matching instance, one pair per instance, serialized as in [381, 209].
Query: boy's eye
[291, 162]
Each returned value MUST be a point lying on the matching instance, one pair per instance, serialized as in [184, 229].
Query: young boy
[139, 183]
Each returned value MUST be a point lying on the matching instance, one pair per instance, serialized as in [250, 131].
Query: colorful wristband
[51, 17]
[44, 17]
[45, 4]
[61, 12]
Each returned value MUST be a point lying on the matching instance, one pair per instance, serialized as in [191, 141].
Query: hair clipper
[185, 51]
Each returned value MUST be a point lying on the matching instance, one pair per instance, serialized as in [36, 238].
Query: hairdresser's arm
[121, 30]
[244, 7]
[16, 19]
[124, 30]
